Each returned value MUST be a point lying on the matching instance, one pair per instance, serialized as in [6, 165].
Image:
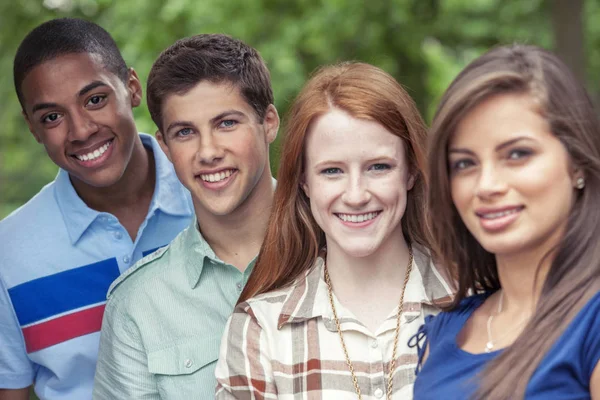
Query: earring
[580, 183]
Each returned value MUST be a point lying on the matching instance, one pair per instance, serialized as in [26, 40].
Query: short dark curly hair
[212, 57]
[63, 36]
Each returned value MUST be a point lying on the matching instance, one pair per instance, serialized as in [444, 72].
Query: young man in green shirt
[211, 98]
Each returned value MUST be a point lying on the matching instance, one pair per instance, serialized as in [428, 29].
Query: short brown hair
[212, 57]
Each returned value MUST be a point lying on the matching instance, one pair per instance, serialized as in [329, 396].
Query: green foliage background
[423, 43]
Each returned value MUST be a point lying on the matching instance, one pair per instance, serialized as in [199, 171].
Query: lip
[91, 148]
[95, 163]
[358, 224]
[504, 217]
[219, 185]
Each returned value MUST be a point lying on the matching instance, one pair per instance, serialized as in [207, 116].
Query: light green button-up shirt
[163, 323]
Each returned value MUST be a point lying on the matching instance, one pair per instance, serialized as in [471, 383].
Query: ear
[271, 123]
[304, 188]
[576, 176]
[135, 88]
[160, 138]
[30, 125]
[410, 182]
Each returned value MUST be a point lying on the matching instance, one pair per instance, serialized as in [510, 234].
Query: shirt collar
[169, 195]
[309, 297]
[197, 252]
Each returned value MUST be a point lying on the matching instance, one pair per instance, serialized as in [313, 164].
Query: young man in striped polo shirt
[115, 199]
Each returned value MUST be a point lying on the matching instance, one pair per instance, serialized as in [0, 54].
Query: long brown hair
[293, 238]
[574, 275]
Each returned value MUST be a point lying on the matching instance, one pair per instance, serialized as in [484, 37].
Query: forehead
[499, 119]
[204, 101]
[63, 76]
[338, 135]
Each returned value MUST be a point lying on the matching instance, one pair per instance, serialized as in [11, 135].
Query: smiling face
[357, 178]
[510, 177]
[218, 147]
[82, 114]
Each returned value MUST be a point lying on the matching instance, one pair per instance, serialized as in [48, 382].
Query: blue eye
[380, 167]
[228, 123]
[331, 171]
[184, 132]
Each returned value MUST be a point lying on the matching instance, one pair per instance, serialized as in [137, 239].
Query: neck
[522, 277]
[385, 267]
[136, 185]
[236, 238]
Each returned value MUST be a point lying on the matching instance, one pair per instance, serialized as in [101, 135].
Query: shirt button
[118, 235]
[239, 286]
[188, 363]
[378, 393]
[374, 344]
[126, 259]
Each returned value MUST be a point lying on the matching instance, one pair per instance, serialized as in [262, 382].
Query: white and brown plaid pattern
[284, 344]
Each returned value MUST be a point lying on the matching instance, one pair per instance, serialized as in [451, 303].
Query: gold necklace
[400, 310]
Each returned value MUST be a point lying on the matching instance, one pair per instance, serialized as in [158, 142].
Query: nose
[356, 193]
[210, 151]
[490, 182]
[82, 126]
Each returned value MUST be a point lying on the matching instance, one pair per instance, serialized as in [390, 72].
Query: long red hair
[293, 238]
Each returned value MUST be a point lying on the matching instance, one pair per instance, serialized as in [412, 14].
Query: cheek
[322, 196]
[460, 192]
[249, 145]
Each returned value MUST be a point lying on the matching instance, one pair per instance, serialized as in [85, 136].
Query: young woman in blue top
[515, 183]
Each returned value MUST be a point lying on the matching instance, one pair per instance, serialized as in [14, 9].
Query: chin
[503, 246]
[359, 251]
[98, 182]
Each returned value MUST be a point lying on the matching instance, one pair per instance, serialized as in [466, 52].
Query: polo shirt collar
[169, 195]
[197, 252]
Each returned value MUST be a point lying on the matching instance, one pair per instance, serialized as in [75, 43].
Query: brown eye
[50, 118]
[518, 154]
[96, 100]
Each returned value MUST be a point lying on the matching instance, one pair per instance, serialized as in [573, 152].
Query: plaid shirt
[285, 344]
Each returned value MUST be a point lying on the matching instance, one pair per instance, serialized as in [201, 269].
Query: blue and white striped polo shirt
[57, 261]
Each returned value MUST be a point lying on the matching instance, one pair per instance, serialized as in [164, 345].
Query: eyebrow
[41, 106]
[90, 86]
[86, 89]
[227, 113]
[177, 124]
[498, 148]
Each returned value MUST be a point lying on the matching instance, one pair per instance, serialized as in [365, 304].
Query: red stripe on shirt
[58, 330]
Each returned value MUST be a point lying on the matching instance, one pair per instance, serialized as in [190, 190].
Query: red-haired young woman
[345, 276]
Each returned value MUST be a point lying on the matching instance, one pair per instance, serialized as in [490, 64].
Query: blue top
[57, 261]
[564, 373]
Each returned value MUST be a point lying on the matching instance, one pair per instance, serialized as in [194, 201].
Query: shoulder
[27, 218]
[137, 273]
[266, 307]
[132, 286]
[438, 288]
[32, 231]
[454, 319]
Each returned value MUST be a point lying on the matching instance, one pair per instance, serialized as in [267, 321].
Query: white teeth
[219, 176]
[94, 154]
[499, 214]
[357, 218]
